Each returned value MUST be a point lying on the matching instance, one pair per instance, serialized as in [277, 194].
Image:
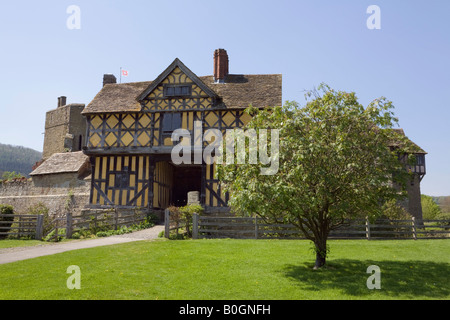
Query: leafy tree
[11, 175]
[430, 209]
[335, 163]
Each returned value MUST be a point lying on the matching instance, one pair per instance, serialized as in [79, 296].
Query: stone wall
[52, 190]
[62, 124]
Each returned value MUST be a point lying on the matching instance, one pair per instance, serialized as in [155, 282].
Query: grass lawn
[235, 269]
[19, 243]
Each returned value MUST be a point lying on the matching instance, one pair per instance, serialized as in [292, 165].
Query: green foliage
[392, 210]
[334, 163]
[83, 234]
[184, 215]
[107, 230]
[6, 209]
[148, 223]
[187, 212]
[50, 235]
[11, 175]
[430, 209]
[38, 209]
[190, 209]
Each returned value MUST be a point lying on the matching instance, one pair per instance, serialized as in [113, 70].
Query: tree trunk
[321, 253]
[320, 260]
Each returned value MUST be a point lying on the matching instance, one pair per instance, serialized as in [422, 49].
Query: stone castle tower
[65, 128]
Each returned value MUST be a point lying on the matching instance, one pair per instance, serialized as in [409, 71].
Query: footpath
[22, 253]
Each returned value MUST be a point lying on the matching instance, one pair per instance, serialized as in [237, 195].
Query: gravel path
[21, 253]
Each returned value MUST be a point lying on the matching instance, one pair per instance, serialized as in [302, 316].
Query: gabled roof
[411, 146]
[176, 63]
[117, 98]
[67, 162]
[237, 92]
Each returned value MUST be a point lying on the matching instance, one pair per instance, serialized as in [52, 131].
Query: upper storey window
[177, 91]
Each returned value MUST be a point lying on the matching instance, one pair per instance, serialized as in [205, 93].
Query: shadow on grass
[399, 279]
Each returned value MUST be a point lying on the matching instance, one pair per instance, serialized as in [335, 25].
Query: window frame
[175, 94]
[173, 125]
[122, 179]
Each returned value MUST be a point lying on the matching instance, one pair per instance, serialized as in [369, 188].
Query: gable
[238, 92]
[177, 88]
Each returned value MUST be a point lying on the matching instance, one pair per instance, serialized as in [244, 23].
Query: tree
[335, 163]
[430, 209]
[11, 175]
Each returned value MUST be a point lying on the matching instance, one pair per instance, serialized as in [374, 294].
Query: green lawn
[19, 243]
[235, 269]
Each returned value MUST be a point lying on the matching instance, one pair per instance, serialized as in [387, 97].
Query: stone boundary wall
[23, 193]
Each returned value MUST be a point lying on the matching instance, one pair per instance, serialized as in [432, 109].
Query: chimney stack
[62, 101]
[109, 78]
[220, 65]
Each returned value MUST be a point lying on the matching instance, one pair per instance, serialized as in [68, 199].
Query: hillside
[443, 202]
[18, 159]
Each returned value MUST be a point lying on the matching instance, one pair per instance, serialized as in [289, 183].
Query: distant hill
[443, 202]
[18, 159]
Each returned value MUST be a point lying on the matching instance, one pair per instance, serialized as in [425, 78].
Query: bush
[39, 209]
[394, 211]
[61, 234]
[82, 234]
[184, 214]
[430, 209]
[105, 229]
[6, 209]
[444, 216]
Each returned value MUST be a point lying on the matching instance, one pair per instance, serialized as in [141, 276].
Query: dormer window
[177, 91]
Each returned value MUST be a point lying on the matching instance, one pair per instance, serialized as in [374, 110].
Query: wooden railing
[256, 228]
[96, 220]
[22, 225]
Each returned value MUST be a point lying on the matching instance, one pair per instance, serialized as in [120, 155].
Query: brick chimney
[109, 78]
[220, 65]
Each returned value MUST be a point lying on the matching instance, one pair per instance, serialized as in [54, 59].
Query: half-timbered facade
[130, 126]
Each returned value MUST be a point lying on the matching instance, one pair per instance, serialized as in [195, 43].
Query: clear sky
[407, 60]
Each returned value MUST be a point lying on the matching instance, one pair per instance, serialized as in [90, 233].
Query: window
[122, 180]
[420, 159]
[177, 91]
[171, 122]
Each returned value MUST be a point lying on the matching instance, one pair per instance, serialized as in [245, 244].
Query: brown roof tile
[62, 163]
[238, 91]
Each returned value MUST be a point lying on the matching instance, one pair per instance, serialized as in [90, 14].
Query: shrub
[184, 214]
[392, 210]
[6, 209]
[83, 234]
[444, 216]
[430, 209]
[39, 209]
[61, 234]
[187, 213]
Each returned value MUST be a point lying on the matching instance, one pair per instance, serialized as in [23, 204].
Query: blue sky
[309, 42]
